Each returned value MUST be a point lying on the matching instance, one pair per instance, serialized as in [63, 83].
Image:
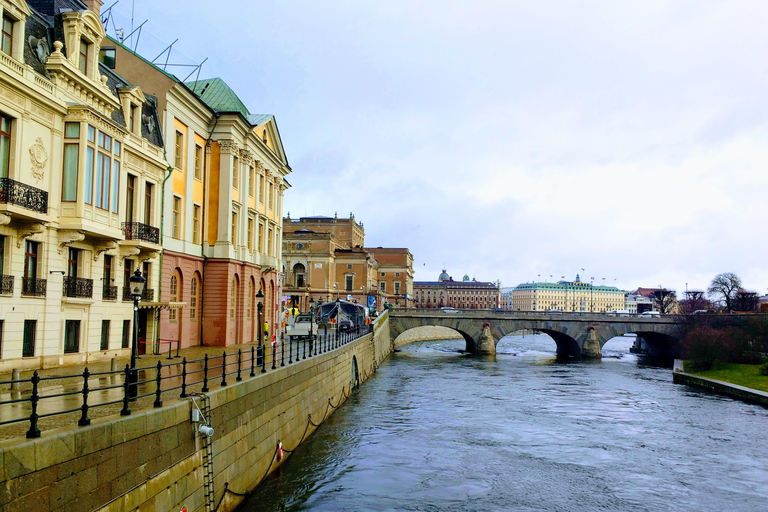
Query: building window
[5, 146]
[105, 335]
[397, 274]
[102, 169]
[250, 301]
[176, 221]
[198, 162]
[261, 188]
[126, 333]
[349, 266]
[196, 224]
[72, 336]
[269, 242]
[383, 274]
[250, 181]
[397, 287]
[130, 189]
[349, 278]
[30, 262]
[71, 160]
[232, 300]
[132, 125]
[271, 190]
[148, 203]
[173, 293]
[250, 235]
[7, 41]
[264, 136]
[234, 228]
[193, 299]
[30, 333]
[260, 246]
[84, 56]
[383, 286]
[235, 172]
[179, 151]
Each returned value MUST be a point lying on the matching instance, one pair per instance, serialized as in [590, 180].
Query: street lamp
[260, 348]
[311, 323]
[137, 282]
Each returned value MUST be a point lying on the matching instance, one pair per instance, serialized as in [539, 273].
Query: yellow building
[567, 296]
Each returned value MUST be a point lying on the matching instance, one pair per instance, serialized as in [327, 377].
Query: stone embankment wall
[723, 388]
[153, 460]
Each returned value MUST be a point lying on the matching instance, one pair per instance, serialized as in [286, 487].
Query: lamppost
[311, 323]
[336, 285]
[260, 348]
[137, 282]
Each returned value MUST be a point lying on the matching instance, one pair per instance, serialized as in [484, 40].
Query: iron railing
[81, 392]
[78, 287]
[109, 292]
[140, 231]
[31, 286]
[31, 198]
[148, 295]
[6, 285]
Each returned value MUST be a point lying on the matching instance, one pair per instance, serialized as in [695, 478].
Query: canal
[436, 430]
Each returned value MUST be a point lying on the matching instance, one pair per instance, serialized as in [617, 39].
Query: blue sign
[371, 300]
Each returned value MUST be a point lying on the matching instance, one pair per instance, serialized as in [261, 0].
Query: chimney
[94, 5]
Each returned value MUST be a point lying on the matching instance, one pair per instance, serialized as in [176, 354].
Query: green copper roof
[217, 95]
[567, 285]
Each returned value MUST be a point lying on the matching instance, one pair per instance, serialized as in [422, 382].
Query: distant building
[635, 303]
[648, 292]
[465, 294]
[506, 299]
[325, 259]
[567, 296]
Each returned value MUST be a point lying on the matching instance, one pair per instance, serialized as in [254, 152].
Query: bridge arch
[435, 332]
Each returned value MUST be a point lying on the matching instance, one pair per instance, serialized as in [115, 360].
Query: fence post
[239, 364]
[290, 352]
[282, 352]
[253, 368]
[205, 375]
[84, 419]
[224, 369]
[184, 378]
[33, 431]
[274, 354]
[159, 379]
[126, 384]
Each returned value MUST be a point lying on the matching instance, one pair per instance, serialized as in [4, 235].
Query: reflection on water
[435, 429]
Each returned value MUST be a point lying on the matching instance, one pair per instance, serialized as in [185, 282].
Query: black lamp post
[137, 282]
[311, 323]
[260, 349]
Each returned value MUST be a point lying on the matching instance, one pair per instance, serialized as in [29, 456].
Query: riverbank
[713, 380]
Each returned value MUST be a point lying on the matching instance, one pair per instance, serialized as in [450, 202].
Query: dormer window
[6, 45]
[84, 57]
[134, 117]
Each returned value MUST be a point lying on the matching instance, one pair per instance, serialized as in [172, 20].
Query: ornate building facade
[567, 296]
[464, 294]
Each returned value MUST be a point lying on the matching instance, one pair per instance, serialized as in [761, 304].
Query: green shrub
[764, 369]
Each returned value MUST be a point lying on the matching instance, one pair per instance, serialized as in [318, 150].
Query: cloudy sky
[509, 139]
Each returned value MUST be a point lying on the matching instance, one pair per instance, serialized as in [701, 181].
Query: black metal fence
[20, 194]
[78, 287]
[141, 231]
[128, 385]
[6, 285]
[34, 287]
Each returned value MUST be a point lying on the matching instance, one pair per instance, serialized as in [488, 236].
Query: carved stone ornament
[39, 157]
[229, 147]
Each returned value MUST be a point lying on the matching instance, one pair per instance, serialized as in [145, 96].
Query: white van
[618, 312]
[653, 314]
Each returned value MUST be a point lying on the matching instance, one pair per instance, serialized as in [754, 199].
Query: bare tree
[745, 301]
[694, 301]
[724, 286]
[664, 300]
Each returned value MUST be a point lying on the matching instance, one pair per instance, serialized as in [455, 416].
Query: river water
[437, 430]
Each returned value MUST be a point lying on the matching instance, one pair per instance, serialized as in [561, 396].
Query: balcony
[142, 232]
[78, 287]
[6, 285]
[147, 296]
[18, 194]
[109, 293]
[31, 287]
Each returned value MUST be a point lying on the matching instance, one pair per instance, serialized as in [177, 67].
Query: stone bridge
[576, 334]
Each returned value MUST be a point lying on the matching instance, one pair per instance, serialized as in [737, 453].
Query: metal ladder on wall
[210, 490]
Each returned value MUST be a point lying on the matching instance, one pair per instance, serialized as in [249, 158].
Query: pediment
[17, 8]
[266, 131]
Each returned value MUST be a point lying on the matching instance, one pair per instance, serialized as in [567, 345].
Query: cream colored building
[567, 296]
[74, 137]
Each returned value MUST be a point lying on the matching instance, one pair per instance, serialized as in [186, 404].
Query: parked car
[654, 314]
[555, 311]
[300, 328]
[700, 312]
[449, 310]
[618, 312]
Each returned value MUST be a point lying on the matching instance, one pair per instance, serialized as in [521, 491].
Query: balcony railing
[31, 198]
[78, 287]
[6, 285]
[147, 296]
[109, 293]
[139, 231]
[33, 287]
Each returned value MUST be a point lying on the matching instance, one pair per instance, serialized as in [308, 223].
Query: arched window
[174, 296]
[298, 273]
[193, 299]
